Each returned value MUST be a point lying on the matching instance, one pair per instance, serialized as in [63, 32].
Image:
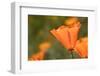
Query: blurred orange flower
[40, 55]
[44, 46]
[72, 22]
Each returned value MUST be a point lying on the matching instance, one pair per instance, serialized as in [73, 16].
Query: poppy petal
[82, 48]
[63, 33]
[73, 35]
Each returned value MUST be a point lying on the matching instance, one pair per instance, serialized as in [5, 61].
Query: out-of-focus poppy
[72, 22]
[40, 55]
[82, 47]
[44, 46]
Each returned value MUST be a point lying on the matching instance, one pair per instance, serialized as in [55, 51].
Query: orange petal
[63, 33]
[82, 48]
[57, 36]
[54, 32]
[73, 32]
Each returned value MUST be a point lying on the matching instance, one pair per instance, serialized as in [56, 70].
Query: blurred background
[39, 27]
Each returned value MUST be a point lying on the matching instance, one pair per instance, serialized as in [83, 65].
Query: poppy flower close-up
[67, 34]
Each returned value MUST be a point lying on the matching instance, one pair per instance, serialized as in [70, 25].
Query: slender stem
[71, 52]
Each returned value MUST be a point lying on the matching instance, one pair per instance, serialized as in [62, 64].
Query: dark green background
[38, 32]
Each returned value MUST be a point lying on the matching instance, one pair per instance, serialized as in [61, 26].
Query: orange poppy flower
[82, 47]
[67, 35]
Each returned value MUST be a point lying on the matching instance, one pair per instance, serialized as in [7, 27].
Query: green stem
[71, 52]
